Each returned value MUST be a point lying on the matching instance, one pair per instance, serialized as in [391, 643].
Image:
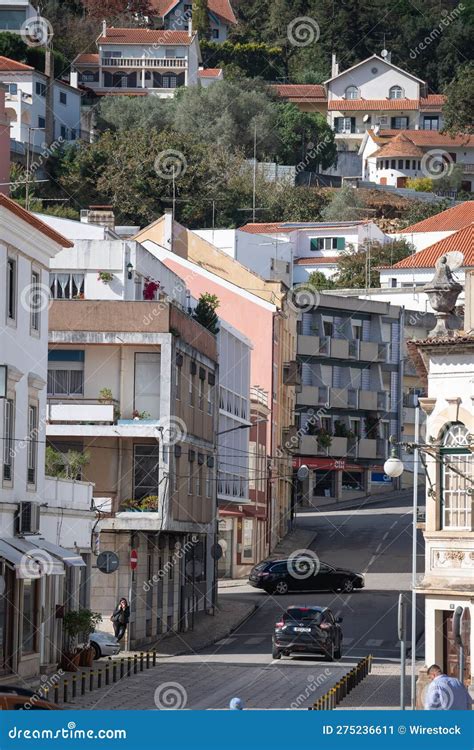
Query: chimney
[190, 27]
[4, 145]
[104, 27]
[102, 216]
[74, 79]
[334, 66]
[168, 229]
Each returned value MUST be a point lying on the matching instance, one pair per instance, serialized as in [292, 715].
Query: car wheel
[338, 653]
[276, 653]
[96, 649]
[329, 654]
[281, 588]
[347, 586]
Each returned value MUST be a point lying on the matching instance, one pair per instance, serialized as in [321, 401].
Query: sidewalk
[320, 505]
[379, 691]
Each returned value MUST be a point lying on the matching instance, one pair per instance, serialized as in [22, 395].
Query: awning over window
[68, 557]
[34, 562]
[16, 560]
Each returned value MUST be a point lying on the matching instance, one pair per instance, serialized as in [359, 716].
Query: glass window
[191, 390]
[11, 288]
[352, 92]
[399, 123]
[66, 285]
[145, 470]
[247, 539]
[395, 92]
[457, 463]
[431, 122]
[32, 442]
[13, 88]
[35, 301]
[29, 616]
[62, 97]
[40, 88]
[8, 438]
[201, 394]
[65, 379]
[169, 81]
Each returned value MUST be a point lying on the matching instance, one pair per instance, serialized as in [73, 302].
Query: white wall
[374, 85]
[420, 240]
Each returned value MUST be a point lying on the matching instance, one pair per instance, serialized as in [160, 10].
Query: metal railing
[331, 699]
[144, 62]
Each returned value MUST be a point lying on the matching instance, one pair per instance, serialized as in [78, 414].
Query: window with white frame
[8, 438]
[65, 285]
[395, 92]
[457, 479]
[32, 442]
[247, 539]
[352, 92]
[35, 301]
[11, 288]
[65, 372]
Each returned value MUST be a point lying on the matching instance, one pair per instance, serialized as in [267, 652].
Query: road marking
[347, 641]
[254, 641]
[375, 642]
[225, 641]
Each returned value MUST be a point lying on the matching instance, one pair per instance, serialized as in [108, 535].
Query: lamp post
[394, 468]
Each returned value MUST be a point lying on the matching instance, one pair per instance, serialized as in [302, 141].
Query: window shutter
[211, 378]
[353, 124]
[313, 245]
[177, 451]
[191, 455]
[337, 124]
[340, 243]
[202, 373]
[193, 368]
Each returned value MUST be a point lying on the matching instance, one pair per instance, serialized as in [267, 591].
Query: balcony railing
[81, 410]
[145, 62]
[354, 348]
[382, 400]
[352, 398]
[68, 493]
[325, 345]
[292, 373]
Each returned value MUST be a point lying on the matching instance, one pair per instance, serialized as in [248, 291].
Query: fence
[338, 692]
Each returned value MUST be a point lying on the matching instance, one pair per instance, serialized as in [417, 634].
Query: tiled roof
[221, 8]
[462, 241]
[87, 59]
[451, 220]
[430, 138]
[144, 36]
[33, 221]
[265, 228]
[401, 145]
[372, 105]
[10, 65]
[282, 226]
[301, 92]
[209, 72]
[318, 261]
[435, 101]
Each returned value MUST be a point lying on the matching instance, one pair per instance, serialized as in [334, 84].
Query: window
[178, 382]
[63, 132]
[345, 124]
[8, 438]
[209, 399]
[176, 474]
[112, 53]
[199, 482]
[191, 390]
[400, 164]
[191, 480]
[65, 372]
[40, 88]
[457, 478]
[357, 329]
[327, 243]
[395, 92]
[215, 33]
[208, 481]
[328, 327]
[66, 285]
[431, 122]
[32, 443]
[41, 122]
[392, 163]
[11, 288]
[87, 76]
[247, 539]
[73, 134]
[30, 609]
[35, 301]
[13, 89]
[169, 81]
[201, 394]
[407, 163]
[62, 97]
[352, 92]
[399, 123]
[145, 470]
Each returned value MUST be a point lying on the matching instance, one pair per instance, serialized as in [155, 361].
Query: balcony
[68, 493]
[368, 351]
[367, 448]
[292, 373]
[309, 447]
[313, 395]
[368, 400]
[383, 401]
[168, 63]
[81, 410]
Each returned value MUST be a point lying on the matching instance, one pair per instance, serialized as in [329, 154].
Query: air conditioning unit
[28, 518]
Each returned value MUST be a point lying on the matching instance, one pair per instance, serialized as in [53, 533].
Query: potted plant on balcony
[105, 396]
[144, 504]
[105, 277]
[150, 288]
[323, 439]
[88, 622]
[140, 414]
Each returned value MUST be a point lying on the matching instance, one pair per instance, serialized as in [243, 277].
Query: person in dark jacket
[120, 618]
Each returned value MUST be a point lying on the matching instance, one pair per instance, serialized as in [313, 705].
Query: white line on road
[254, 641]
[374, 642]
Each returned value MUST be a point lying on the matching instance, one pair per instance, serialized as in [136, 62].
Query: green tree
[205, 312]
[347, 204]
[306, 138]
[317, 280]
[244, 59]
[201, 18]
[458, 111]
[13, 47]
[358, 268]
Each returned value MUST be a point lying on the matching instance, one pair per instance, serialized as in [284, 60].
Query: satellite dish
[384, 53]
[366, 118]
[454, 259]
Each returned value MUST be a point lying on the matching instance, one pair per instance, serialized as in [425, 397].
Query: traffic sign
[133, 559]
[107, 562]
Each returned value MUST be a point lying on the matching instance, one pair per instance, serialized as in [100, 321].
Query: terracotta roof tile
[401, 145]
[145, 36]
[452, 219]
[431, 138]
[435, 101]
[221, 8]
[301, 92]
[372, 105]
[9, 65]
[462, 241]
[209, 72]
[87, 59]
[320, 260]
[33, 221]
[269, 228]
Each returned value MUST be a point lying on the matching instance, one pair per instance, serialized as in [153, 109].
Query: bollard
[147, 660]
[45, 693]
[154, 658]
[107, 675]
[135, 664]
[129, 666]
[99, 679]
[65, 691]
[83, 683]
[74, 686]
[122, 667]
[56, 693]
[91, 680]
[114, 671]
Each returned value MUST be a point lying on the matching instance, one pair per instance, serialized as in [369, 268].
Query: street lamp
[393, 467]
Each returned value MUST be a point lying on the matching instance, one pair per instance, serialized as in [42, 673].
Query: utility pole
[254, 192]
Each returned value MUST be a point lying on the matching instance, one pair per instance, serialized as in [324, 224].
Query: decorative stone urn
[443, 291]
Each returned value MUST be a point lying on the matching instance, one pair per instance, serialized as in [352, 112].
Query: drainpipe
[49, 109]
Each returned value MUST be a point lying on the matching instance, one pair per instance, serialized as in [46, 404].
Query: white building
[140, 61]
[45, 523]
[178, 14]
[391, 157]
[14, 15]
[26, 108]
[290, 252]
[446, 366]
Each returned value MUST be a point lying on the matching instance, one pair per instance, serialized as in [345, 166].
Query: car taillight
[279, 624]
[325, 626]
[263, 575]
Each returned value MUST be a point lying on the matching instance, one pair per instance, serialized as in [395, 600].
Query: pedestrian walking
[120, 618]
[236, 704]
[446, 693]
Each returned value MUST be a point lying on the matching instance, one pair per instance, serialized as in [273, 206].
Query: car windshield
[302, 614]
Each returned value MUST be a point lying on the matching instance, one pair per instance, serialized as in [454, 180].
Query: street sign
[107, 562]
[217, 551]
[133, 559]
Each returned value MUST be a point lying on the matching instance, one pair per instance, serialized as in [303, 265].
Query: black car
[282, 576]
[311, 630]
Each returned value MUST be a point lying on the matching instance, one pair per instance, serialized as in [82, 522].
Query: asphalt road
[375, 540]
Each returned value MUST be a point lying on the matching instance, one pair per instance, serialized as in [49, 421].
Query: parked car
[14, 698]
[282, 576]
[104, 644]
[312, 630]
